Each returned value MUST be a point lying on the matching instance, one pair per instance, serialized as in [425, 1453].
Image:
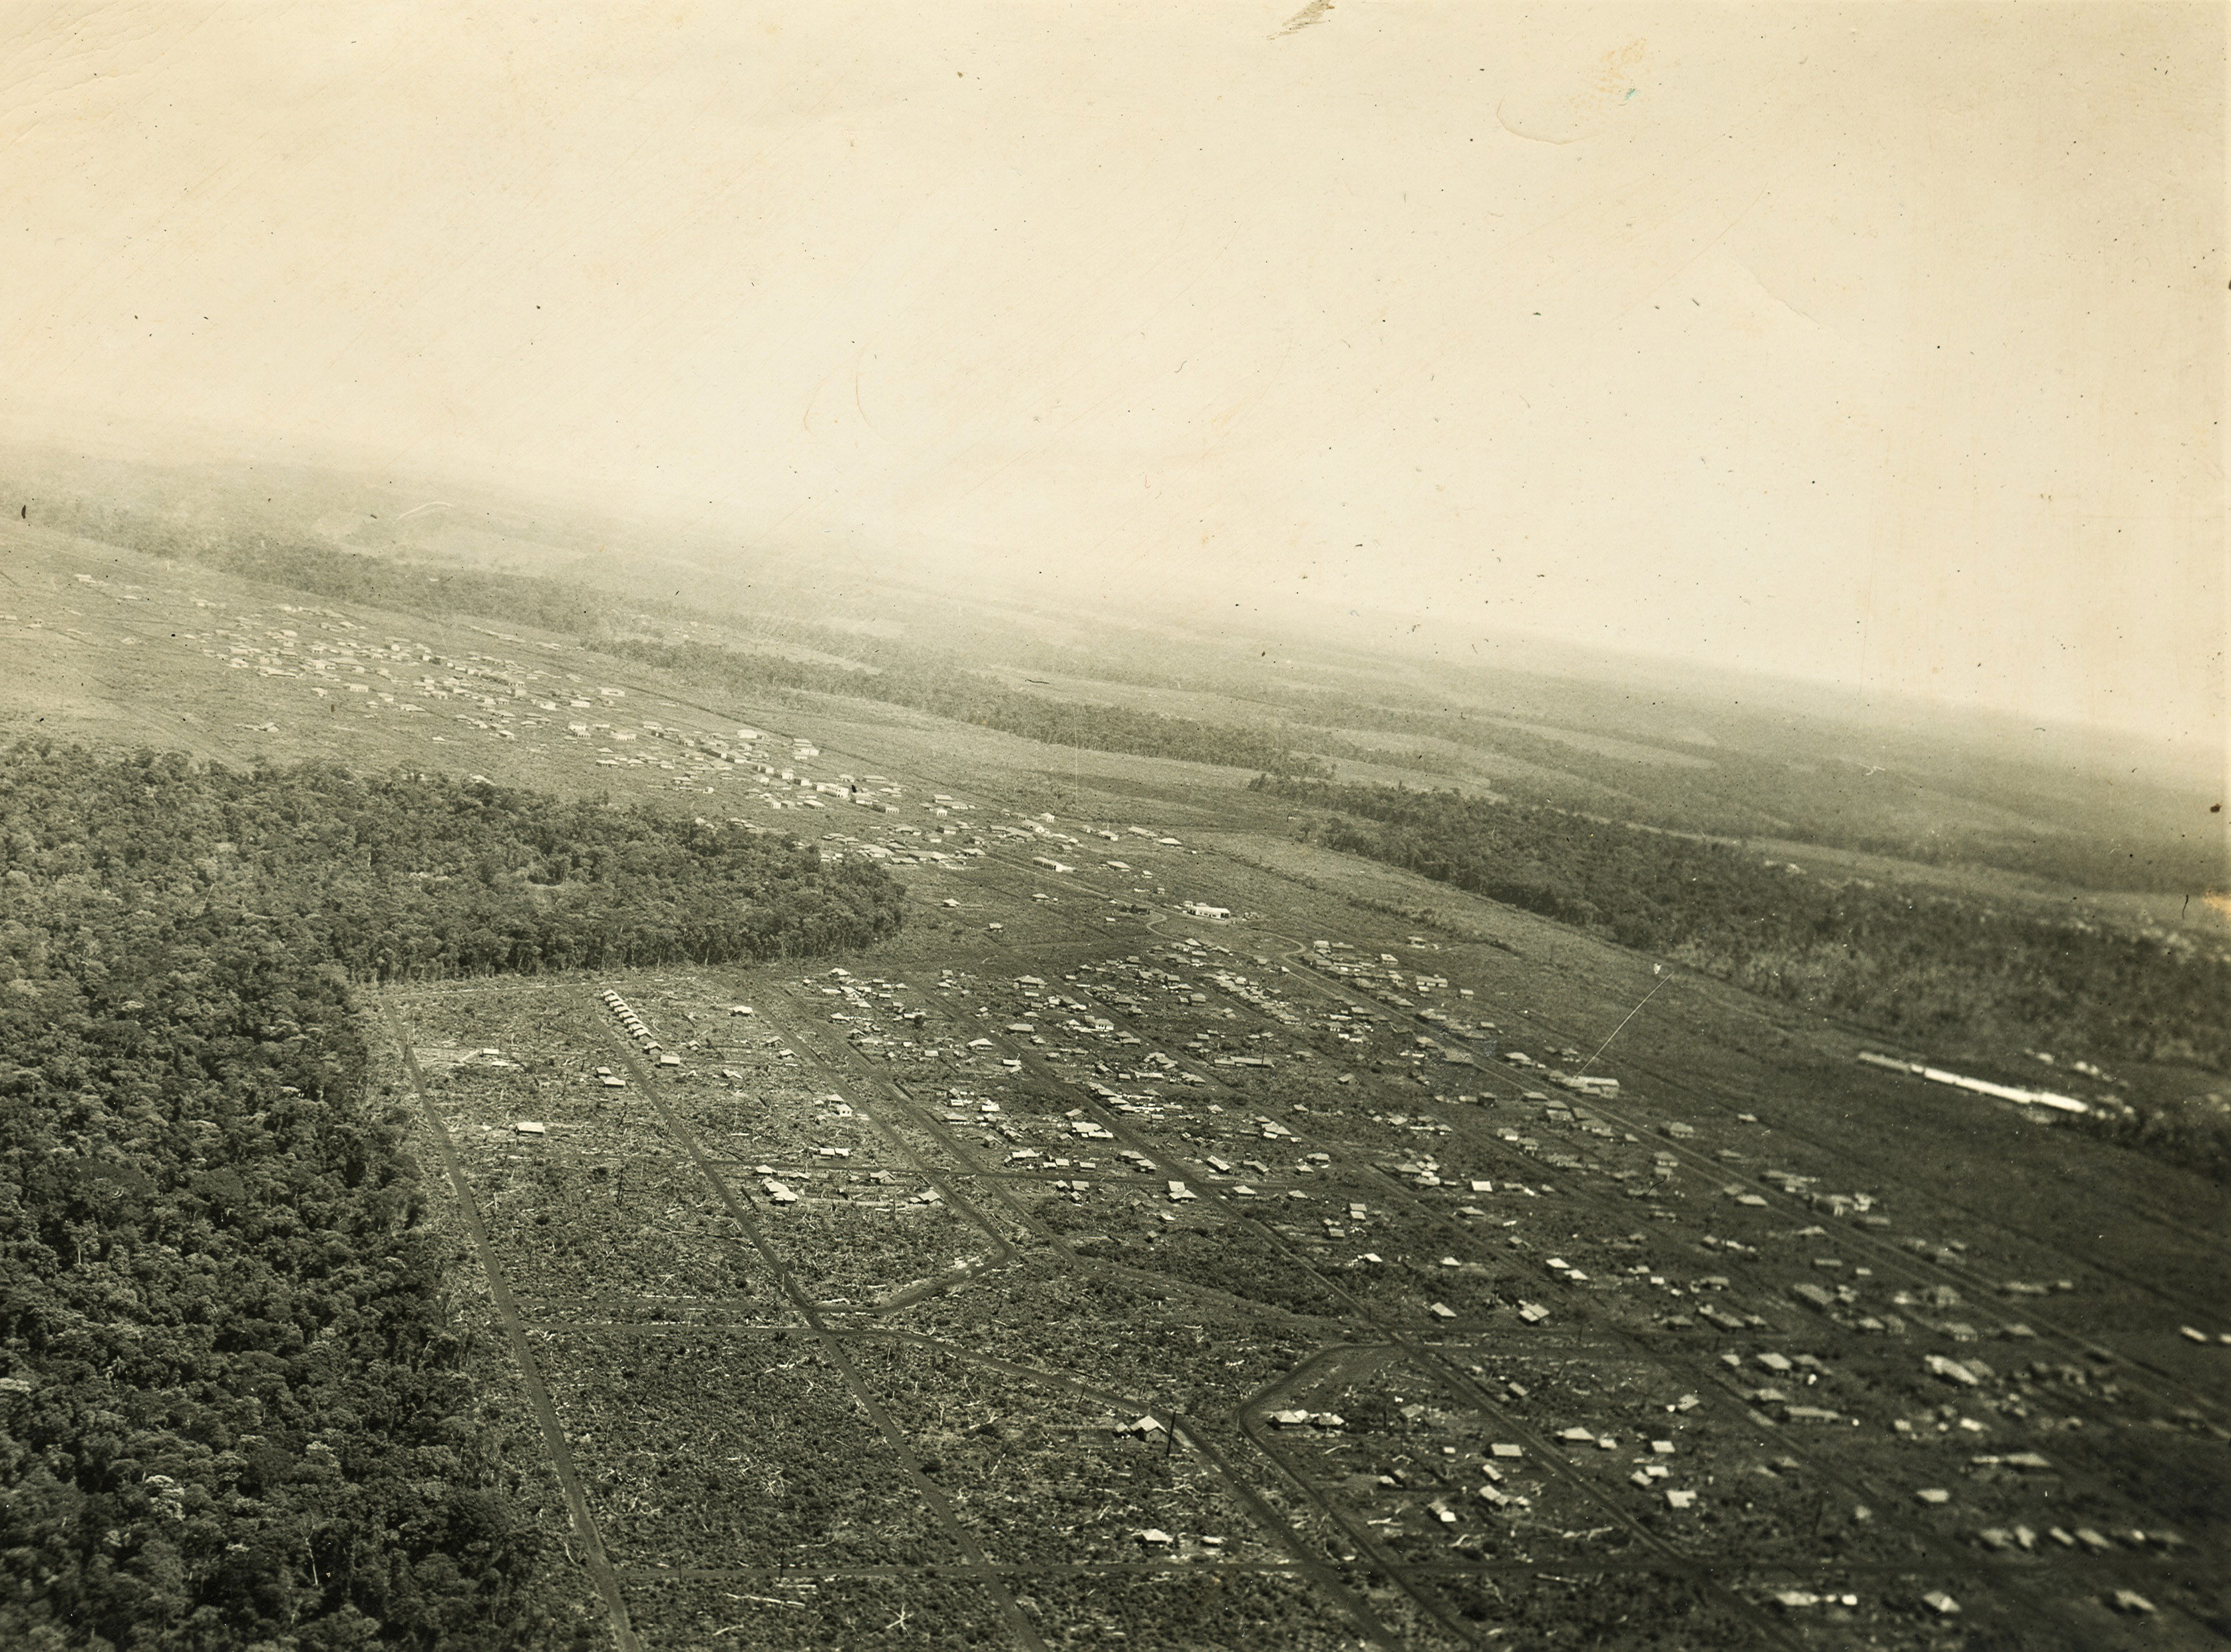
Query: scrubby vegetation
[232, 1406]
[1918, 967]
[892, 674]
[1937, 801]
[275, 557]
[2194, 1130]
[926, 682]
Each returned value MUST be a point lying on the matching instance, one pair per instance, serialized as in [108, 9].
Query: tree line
[2117, 844]
[233, 1408]
[891, 674]
[1925, 968]
[269, 554]
[2100, 842]
[925, 681]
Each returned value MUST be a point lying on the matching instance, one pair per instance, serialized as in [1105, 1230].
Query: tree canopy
[233, 1406]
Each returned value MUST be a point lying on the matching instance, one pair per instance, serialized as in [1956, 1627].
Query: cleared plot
[1395, 1255]
[855, 1237]
[1408, 1290]
[740, 1449]
[492, 1058]
[802, 1128]
[1905, 1611]
[1413, 1470]
[483, 1116]
[538, 1025]
[983, 1203]
[1012, 1112]
[1193, 1609]
[762, 1058]
[1376, 1124]
[789, 1123]
[694, 1016]
[1041, 1473]
[904, 1612]
[1117, 1332]
[1207, 1250]
[1027, 1132]
[930, 1065]
[1608, 1611]
[1503, 1142]
[572, 1229]
[997, 914]
[1080, 1199]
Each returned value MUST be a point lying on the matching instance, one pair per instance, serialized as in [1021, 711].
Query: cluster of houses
[1228, 1020]
[644, 1041]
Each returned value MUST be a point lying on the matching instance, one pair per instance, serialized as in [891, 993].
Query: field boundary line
[538, 1392]
[831, 1342]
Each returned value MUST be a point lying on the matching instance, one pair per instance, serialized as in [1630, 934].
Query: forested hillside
[232, 1411]
[1922, 968]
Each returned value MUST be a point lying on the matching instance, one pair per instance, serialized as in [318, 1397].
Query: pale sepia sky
[1881, 343]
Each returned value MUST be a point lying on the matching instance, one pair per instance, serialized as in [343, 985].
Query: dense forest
[232, 1407]
[421, 877]
[1925, 969]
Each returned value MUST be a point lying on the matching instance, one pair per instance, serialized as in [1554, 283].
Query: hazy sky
[1881, 344]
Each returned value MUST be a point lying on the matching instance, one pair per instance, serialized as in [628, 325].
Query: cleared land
[1075, 1271]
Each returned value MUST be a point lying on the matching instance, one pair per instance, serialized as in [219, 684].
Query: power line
[1656, 969]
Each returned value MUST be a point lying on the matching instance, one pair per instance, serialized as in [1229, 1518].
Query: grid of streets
[1143, 1258]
